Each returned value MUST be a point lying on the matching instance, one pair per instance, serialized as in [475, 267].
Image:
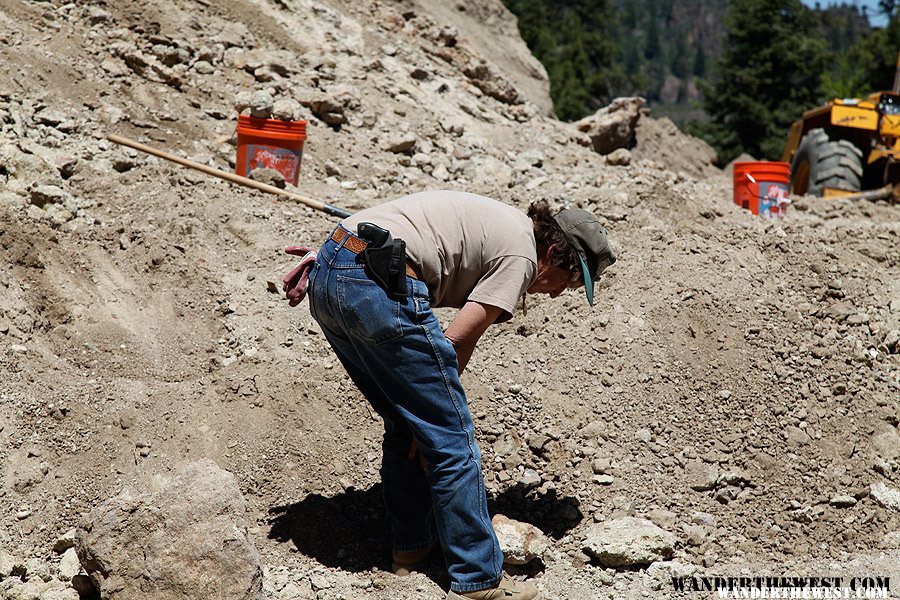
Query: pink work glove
[294, 284]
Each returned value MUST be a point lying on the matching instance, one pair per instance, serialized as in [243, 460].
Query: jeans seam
[443, 366]
[482, 509]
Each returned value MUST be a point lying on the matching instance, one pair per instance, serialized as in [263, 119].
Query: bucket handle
[750, 177]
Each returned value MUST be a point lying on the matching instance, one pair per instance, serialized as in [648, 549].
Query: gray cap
[591, 242]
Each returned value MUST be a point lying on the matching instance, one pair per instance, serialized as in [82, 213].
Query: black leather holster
[384, 259]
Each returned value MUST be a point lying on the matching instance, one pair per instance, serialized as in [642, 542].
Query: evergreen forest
[734, 72]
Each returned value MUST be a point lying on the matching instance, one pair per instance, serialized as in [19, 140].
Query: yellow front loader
[848, 145]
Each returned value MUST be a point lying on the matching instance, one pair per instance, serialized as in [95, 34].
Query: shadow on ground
[349, 530]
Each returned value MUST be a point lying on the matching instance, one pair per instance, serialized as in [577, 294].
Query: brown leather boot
[506, 590]
[412, 562]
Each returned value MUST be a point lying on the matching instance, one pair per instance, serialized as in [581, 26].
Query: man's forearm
[466, 329]
[463, 354]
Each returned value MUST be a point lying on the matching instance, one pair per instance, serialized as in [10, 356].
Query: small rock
[795, 436]
[600, 466]
[401, 145]
[204, 68]
[332, 170]
[268, 176]
[530, 479]
[612, 126]
[628, 541]
[97, 15]
[69, 566]
[330, 109]
[891, 540]
[50, 117]
[537, 442]
[885, 496]
[243, 100]
[287, 109]
[420, 74]
[891, 341]
[43, 195]
[9, 564]
[886, 440]
[695, 534]
[843, 501]
[603, 479]
[521, 542]
[858, 319]
[320, 582]
[621, 157]
[702, 518]
[701, 476]
[737, 477]
[261, 104]
[664, 518]
[64, 542]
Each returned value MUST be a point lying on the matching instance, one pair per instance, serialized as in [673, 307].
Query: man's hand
[465, 330]
[294, 284]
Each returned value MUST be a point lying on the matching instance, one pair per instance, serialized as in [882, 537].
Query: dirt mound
[737, 384]
[660, 141]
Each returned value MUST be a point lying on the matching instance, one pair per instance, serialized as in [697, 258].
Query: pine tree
[572, 39]
[699, 69]
[873, 60]
[769, 73]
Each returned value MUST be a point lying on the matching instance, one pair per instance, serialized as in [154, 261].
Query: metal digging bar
[231, 177]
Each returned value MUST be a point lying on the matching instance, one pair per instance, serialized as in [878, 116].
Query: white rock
[530, 479]
[521, 542]
[891, 540]
[619, 157]
[628, 541]
[261, 104]
[186, 534]
[69, 566]
[8, 563]
[64, 542]
[885, 496]
[287, 109]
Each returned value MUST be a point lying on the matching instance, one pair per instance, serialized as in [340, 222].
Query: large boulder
[627, 542]
[184, 539]
[613, 126]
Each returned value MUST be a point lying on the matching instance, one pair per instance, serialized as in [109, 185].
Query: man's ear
[551, 253]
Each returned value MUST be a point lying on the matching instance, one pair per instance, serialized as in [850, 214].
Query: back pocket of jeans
[367, 311]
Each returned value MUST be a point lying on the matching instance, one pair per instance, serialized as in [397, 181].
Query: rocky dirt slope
[737, 384]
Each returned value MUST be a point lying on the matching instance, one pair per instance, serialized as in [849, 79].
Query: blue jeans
[397, 355]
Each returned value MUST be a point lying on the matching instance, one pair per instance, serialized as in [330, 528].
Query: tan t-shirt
[467, 247]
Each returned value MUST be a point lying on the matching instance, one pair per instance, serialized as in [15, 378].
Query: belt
[356, 245]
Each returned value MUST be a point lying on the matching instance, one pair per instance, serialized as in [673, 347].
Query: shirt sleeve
[503, 284]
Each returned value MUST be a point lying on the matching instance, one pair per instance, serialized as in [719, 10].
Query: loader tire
[822, 163]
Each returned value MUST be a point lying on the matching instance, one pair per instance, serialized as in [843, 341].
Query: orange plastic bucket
[762, 187]
[268, 143]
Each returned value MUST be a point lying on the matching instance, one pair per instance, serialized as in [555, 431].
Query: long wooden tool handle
[231, 177]
[877, 194]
